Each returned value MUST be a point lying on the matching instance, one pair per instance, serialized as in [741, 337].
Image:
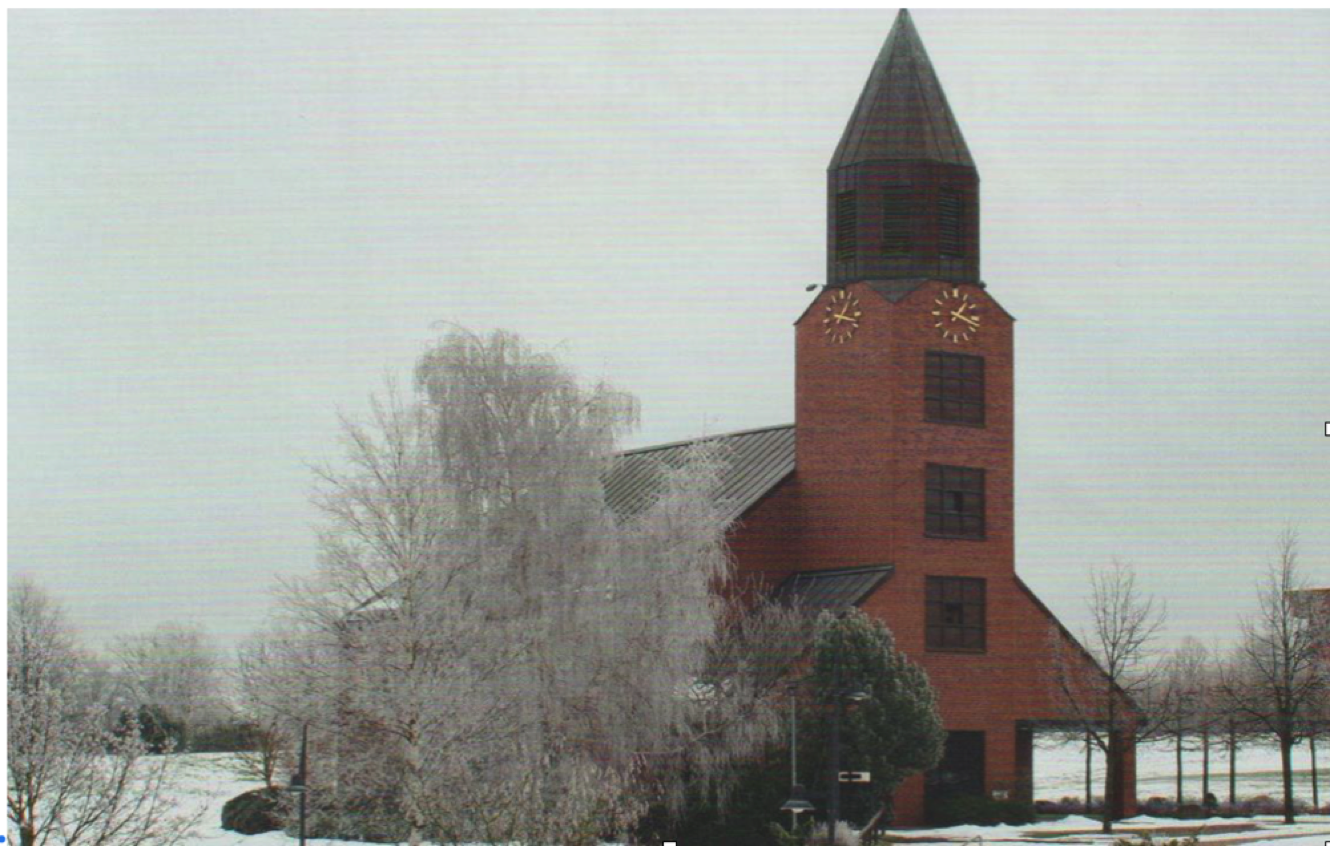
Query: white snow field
[209, 780]
[1059, 770]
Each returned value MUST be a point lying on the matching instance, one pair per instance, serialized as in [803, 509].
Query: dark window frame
[955, 614]
[954, 390]
[847, 226]
[954, 502]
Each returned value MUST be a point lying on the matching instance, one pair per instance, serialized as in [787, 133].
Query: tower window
[955, 613]
[951, 223]
[896, 219]
[954, 502]
[847, 226]
[954, 388]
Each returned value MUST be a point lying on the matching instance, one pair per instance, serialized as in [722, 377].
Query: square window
[954, 501]
[955, 613]
[953, 388]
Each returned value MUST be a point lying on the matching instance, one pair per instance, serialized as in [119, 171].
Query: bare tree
[170, 672]
[1279, 675]
[71, 780]
[1316, 725]
[258, 671]
[1233, 727]
[479, 609]
[1182, 703]
[1314, 605]
[1105, 687]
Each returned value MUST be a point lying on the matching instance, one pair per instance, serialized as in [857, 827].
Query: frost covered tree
[1107, 689]
[499, 655]
[170, 673]
[1278, 674]
[71, 779]
[259, 673]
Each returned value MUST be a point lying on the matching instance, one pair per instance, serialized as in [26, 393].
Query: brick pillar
[909, 804]
[1129, 807]
[1122, 752]
[1024, 787]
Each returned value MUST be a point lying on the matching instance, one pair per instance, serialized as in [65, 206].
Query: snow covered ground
[1312, 831]
[209, 780]
[1059, 770]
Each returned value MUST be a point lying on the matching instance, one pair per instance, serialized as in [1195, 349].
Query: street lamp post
[299, 785]
[842, 695]
[798, 802]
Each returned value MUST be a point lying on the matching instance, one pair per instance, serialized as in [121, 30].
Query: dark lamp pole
[843, 694]
[299, 785]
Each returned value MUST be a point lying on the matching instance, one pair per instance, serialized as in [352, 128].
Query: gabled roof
[902, 113]
[831, 590]
[757, 461]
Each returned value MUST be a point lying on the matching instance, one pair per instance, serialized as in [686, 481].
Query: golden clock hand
[959, 316]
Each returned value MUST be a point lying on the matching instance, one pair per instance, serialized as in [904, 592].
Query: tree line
[1273, 685]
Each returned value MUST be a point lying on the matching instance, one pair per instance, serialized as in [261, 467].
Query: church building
[893, 489]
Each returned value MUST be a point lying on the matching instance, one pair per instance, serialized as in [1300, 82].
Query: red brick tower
[893, 490]
[904, 426]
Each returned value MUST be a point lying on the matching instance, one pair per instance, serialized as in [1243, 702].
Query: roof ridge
[702, 438]
[840, 571]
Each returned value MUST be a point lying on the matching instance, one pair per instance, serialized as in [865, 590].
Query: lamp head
[798, 801]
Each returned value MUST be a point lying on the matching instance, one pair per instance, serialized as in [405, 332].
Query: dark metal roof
[831, 590]
[902, 113]
[757, 461]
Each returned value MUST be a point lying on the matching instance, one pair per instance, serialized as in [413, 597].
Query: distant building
[1314, 602]
[892, 490]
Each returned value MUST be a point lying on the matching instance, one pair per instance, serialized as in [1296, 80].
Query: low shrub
[1147, 839]
[980, 810]
[225, 737]
[1261, 806]
[1068, 805]
[367, 819]
[254, 812]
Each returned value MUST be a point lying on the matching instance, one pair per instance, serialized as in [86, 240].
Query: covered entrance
[961, 771]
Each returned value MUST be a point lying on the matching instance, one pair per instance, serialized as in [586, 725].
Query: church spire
[902, 112]
[902, 190]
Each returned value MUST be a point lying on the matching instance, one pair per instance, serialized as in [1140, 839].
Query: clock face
[955, 315]
[842, 318]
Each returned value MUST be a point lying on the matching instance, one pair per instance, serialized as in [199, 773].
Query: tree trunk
[1089, 775]
[1177, 758]
[1316, 790]
[1205, 769]
[26, 836]
[1232, 764]
[1286, 764]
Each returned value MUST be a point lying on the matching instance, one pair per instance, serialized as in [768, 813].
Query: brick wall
[857, 498]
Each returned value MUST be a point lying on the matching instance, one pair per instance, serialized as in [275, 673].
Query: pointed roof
[902, 112]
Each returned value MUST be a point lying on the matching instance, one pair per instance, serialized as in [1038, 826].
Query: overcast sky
[225, 227]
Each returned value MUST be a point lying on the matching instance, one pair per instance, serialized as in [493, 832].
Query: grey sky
[226, 226]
